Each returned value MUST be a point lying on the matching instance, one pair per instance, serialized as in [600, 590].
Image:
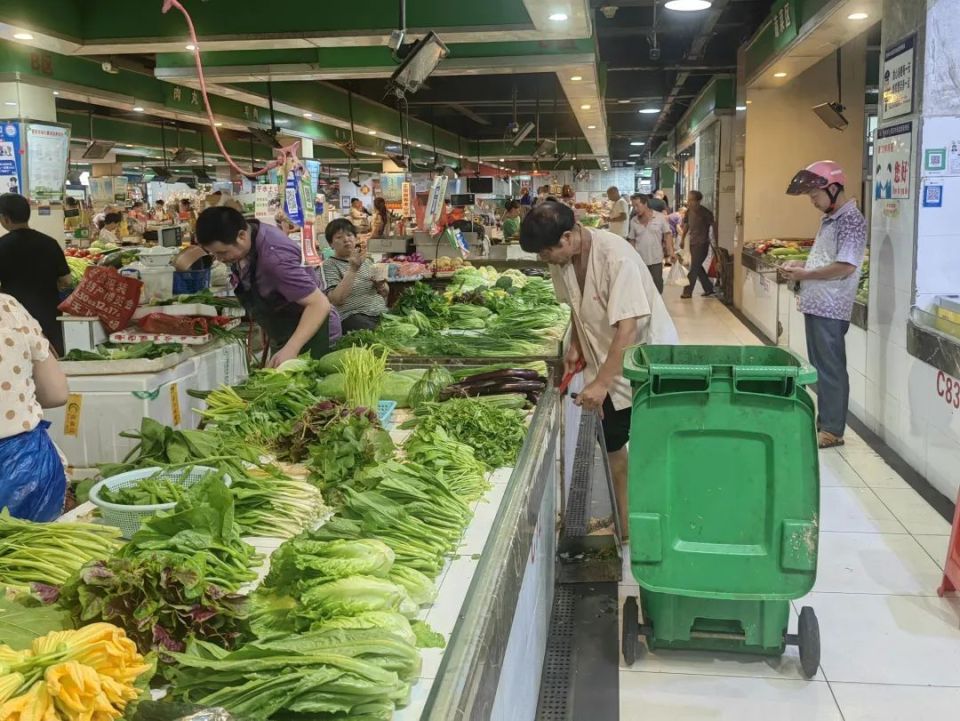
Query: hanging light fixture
[687, 6]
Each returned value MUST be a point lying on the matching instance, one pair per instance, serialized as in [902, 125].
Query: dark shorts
[616, 426]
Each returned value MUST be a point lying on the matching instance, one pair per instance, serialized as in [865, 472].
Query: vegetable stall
[367, 536]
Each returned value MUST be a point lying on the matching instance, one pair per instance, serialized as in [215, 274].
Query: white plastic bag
[677, 275]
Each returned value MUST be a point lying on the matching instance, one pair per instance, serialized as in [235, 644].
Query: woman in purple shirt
[281, 295]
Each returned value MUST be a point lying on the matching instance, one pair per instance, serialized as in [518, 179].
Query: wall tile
[889, 316]
[938, 260]
[858, 392]
[857, 349]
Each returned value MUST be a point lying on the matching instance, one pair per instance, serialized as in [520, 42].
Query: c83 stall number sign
[948, 388]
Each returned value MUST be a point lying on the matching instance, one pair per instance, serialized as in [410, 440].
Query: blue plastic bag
[33, 483]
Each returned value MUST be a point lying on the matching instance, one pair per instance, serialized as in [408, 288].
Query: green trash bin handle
[803, 374]
[665, 372]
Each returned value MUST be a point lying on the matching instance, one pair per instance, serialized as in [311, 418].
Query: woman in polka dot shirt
[30, 380]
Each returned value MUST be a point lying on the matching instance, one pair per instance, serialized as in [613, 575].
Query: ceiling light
[780, 75]
[591, 127]
[22, 36]
[308, 115]
[191, 48]
[623, 102]
[631, 162]
[219, 125]
[585, 106]
[371, 132]
[56, 92]
[137, 109]
[634, 155]
[749, 102]
[741, 107]
[576, 77]
[418, 145]
[858, 16]
[648, 111]
[636, 143]
[10, 103]
[129, 145]
[687, 6]
[558, 17]
[502, 160]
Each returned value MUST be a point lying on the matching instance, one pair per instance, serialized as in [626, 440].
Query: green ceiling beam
[85, 76]
[148, 135]
[771, 39]
[98, 20]
[367, 57]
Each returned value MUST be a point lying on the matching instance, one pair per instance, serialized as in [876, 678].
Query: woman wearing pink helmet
[828, 288]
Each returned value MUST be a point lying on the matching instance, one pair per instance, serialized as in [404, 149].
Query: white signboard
[267, 203]
[438, 191]
[48, 151]
[898, 78]
[893, 175]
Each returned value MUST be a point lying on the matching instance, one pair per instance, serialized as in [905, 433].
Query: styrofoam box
[82, 333]
[108, 406]
[225, 364]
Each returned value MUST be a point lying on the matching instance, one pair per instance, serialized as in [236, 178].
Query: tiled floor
[890, 646]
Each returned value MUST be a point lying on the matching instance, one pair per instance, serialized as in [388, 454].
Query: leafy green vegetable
[20, 623]
[302, 562]
[200, 534]
[154, 490]
[362, 675]
[48, 553]
[269, 503]
[160, 606]
[426, 637]
[495, 433]
[357, 594]
[147, 350]
[444, 457]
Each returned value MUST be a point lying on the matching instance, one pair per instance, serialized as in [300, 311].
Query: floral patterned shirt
[21, 345]
[842, 238]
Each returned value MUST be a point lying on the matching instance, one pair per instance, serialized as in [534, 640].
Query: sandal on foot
[825, 439]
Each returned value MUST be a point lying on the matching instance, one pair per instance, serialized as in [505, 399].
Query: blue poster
[11, 163]
[292, 201]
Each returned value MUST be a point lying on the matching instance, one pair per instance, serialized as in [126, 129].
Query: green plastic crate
[723, 495]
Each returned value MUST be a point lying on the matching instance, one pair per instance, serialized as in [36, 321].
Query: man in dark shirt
[33, 268]
[699, 223]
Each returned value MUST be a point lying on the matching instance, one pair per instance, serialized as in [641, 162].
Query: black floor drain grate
[555, 683]
[578, 501]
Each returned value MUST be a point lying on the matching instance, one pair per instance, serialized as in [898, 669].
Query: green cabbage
[427, 389]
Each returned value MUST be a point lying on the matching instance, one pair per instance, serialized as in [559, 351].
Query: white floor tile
[869, 702]
[675, 697]
[910, 640]
[936, 546]
[855, 510]
[875, 472]
[913, 511]
[875, 563]
[835, 471]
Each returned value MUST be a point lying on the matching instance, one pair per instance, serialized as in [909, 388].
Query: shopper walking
[650, 235]
[619, 220]
[699, 223]
[33, 268]
[828, 288]
[614, 304]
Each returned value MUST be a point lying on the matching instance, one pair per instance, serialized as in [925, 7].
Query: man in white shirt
[613, 305]
[650, 235]
[619, 213]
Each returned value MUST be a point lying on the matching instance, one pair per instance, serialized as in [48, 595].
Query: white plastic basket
[129, 518]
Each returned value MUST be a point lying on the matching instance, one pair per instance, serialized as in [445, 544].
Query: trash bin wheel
[631, 630]
[809, 641]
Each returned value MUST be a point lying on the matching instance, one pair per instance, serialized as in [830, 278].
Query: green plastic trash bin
[723, 497]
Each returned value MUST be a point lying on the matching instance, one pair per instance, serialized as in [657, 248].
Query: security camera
[108, 67]
[654, 53]
[513, 127]
[609, 11]
[396, 40]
